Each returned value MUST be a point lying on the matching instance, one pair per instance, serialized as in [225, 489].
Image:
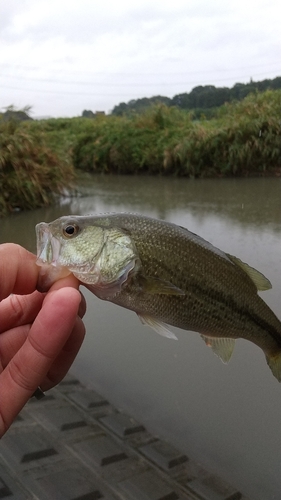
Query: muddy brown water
[228, 417]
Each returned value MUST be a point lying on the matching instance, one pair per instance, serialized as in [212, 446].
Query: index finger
[49, 333]
[18, 270]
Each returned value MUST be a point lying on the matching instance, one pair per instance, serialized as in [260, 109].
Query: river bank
[39, 158]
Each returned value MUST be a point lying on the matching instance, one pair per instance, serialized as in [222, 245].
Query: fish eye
[70, 230]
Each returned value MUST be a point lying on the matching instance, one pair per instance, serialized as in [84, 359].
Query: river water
[227, 417]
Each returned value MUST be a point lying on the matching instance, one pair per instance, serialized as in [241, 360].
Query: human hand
[40, 334]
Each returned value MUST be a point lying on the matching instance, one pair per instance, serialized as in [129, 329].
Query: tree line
[202, 98]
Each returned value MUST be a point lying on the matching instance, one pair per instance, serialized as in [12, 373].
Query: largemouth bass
[166, 274]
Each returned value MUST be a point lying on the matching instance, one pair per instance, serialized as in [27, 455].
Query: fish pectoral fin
[222, 347]
[157, 286]
[274, 363]
[157, 326]
[261, 282]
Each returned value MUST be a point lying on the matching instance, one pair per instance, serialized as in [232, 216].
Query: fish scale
[167, 275]
[218, 271]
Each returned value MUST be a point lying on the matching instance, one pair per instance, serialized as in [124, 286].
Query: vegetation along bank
[38, 159]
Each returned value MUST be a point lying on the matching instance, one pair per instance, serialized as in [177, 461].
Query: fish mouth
[48, 247]
[48, 252]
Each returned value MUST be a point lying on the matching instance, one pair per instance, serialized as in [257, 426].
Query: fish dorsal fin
[158, 326]
[261, 282]
[153, 286]
[222, 347]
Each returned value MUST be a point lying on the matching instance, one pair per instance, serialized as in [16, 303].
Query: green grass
[37, 157]
[242, 139]
[31, 173]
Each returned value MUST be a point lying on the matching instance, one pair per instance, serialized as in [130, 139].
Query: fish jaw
[48, 251]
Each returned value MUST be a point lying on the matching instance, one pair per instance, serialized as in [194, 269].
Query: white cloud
[123, 50]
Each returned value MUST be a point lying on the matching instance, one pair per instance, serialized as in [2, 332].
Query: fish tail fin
[274, 363]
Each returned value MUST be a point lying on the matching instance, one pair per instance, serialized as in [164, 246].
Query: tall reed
[243, 139]
[31, 174]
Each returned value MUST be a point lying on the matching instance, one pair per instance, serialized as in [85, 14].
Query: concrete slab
[87, 399]
[74, 445]
[27, 445]
[163, 454]
[213, 488]
[148, 486]
[100, 450]
[122, 424]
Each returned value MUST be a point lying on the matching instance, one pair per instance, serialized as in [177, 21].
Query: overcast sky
[64, 56]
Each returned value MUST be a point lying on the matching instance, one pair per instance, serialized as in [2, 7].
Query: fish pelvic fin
[158, 326]
[222, 347]
[261, 282]
[274, 363]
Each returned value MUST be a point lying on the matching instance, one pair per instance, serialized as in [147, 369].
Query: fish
[168, 275]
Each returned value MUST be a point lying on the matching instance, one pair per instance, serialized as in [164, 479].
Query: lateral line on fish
[229, 302]
[269, 328]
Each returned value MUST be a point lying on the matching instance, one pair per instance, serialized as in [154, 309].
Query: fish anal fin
[222, 347]
[274, 363]
[154, 285]
[261, 282]
[158, 326]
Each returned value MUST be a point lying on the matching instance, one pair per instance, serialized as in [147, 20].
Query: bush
[31, 174]
[242, 139]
